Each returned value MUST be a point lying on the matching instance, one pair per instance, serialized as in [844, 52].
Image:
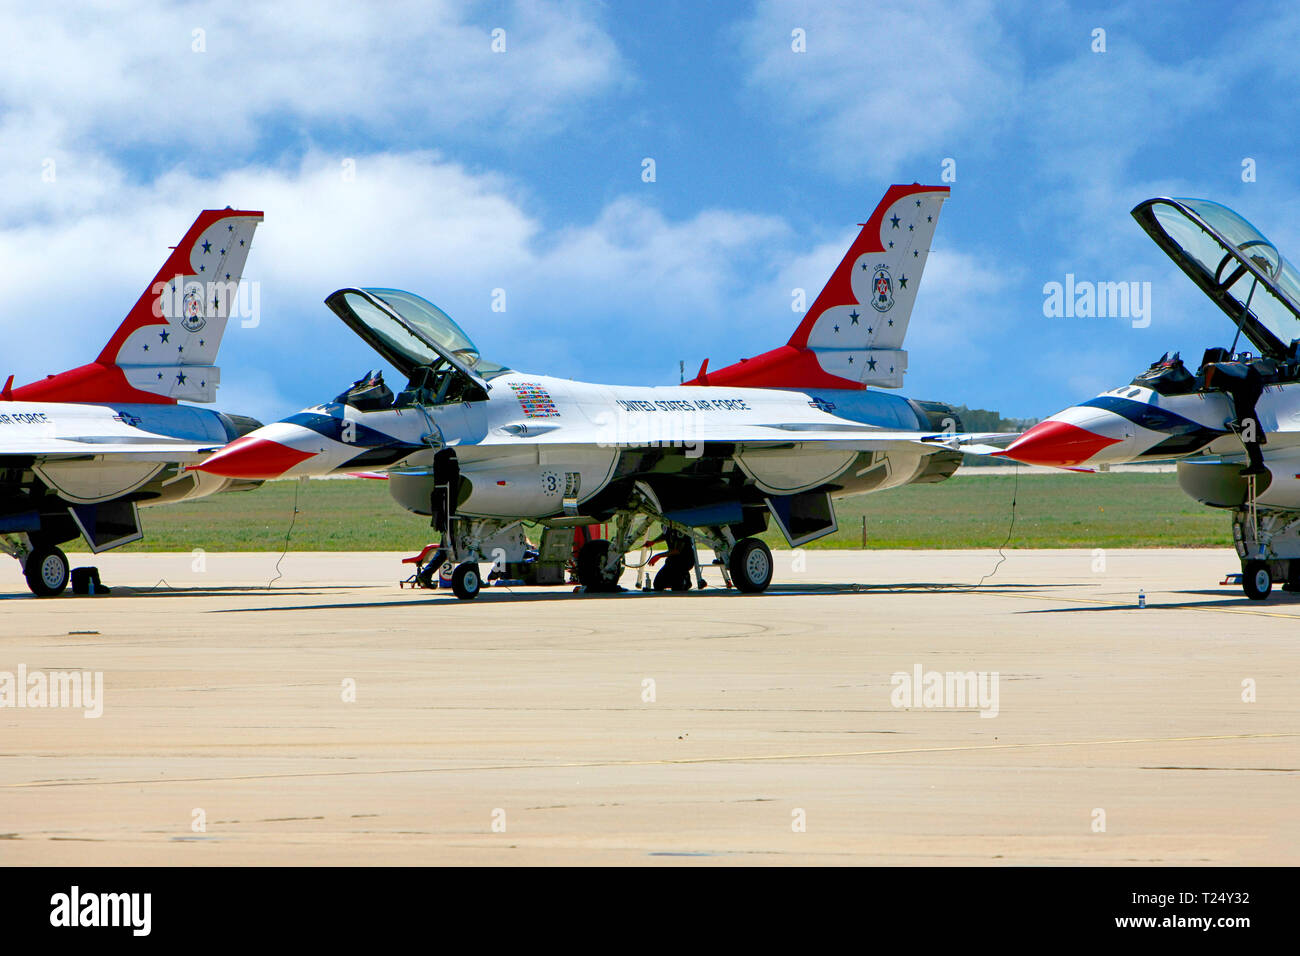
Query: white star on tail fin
[189, 303]
[857, 324]
[852, 336]
[166, 348]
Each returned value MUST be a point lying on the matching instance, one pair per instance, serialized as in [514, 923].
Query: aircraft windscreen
[1273, 306]
[431, 321]
[396, 336]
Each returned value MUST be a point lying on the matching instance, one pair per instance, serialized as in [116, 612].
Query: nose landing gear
[1256, 580]
[466, 582]
[1268, 543]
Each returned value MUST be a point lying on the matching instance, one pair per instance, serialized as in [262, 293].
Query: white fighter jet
[82, 451]
[1233, 423]
[482, 448]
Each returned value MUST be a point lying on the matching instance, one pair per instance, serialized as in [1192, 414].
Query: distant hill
[985, 420]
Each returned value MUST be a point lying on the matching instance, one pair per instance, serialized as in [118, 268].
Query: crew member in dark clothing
[1243, 383]
[679, 561]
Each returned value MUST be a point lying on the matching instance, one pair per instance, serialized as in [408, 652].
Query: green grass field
[1052, 511]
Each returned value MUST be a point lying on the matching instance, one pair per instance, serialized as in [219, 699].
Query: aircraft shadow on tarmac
[166, 590]
[495, 595]
[1226, 601]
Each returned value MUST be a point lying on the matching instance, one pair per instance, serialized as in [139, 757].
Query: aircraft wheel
[1256, 580]
[46, 571]
[593, 575]
[465, 581]
[751, 566]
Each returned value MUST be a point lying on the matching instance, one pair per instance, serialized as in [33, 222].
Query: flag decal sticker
[535, 400]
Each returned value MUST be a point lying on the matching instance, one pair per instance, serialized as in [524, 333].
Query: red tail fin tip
[852, 335]
[166, 348]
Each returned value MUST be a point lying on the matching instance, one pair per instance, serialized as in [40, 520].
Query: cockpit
[441, 363]
[1235, 265]
[1244, 274]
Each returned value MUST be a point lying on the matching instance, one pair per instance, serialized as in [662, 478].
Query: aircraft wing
[846, 436]
[114, 446]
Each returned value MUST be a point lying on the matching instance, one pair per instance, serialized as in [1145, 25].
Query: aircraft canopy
[419, 340]
[1233, 263]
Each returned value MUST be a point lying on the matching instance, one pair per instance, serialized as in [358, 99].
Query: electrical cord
[1002, 554]
[1002, 557]
[292, 521]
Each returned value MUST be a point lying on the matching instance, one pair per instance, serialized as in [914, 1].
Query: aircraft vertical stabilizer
[166, 348]
[852, 335]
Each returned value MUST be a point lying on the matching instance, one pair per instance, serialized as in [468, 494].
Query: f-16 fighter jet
[482, 448]
[1232, 422]
[82, 451]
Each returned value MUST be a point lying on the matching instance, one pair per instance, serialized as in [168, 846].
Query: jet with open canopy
[1231, 422]
[481, 448]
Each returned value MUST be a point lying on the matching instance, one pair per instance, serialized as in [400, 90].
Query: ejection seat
[1168, 376]
[368, 393]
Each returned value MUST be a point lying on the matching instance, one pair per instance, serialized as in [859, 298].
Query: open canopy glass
[1234, 264]
[420, 340]
[432, 324]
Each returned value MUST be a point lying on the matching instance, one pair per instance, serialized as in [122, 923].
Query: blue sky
[522, 171]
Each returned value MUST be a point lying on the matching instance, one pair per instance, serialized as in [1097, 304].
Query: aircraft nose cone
[253, 458]
[1058, 444]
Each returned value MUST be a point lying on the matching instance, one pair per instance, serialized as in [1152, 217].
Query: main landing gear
[597, 573]
[745, 563]
[751, 566]
[45, 566]
[46, 570]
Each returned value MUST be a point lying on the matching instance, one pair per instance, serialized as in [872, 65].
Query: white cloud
[960, 306]
[631, 289]
[879, 84]
[1054, 143]
[620, 298]
[127, 77]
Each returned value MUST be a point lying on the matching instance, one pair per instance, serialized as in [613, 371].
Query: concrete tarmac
[535, 726]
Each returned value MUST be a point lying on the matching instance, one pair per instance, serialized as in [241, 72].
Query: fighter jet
[1233, 423]
[775, 438]
[82, 451]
